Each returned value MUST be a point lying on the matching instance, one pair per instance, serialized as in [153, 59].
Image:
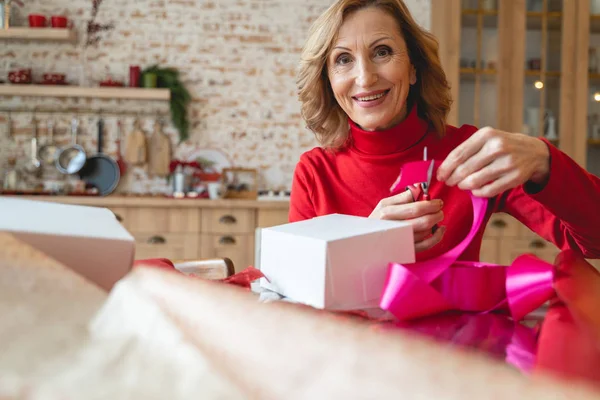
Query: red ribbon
[441, 284]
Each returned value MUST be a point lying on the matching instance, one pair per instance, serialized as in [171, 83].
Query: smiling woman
[374, 93]
[382, 41]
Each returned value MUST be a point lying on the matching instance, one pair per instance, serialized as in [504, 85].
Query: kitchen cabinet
[529, 66]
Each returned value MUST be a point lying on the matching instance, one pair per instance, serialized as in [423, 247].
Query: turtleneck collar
[389, 141]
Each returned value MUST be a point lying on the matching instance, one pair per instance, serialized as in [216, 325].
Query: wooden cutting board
[160, 152]
[136, 151]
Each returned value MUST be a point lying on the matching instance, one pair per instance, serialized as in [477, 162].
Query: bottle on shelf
[551, 128]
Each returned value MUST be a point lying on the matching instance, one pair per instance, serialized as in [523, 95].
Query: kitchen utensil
[100, 170]
[33, 166]
[72, 158]
[136, 152]
[49, 151]
[160, 152]
[9, 134]
[120, 161]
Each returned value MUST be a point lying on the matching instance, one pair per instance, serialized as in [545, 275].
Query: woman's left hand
[492, 161]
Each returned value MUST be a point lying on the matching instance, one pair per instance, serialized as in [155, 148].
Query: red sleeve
[301, 204]
[565, 210]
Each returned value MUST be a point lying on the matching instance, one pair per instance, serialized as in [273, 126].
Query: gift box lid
[336, 227]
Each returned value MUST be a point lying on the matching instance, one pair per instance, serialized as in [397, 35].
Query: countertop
[158, 201]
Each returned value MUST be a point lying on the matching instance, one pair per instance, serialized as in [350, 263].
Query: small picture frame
[240, 183]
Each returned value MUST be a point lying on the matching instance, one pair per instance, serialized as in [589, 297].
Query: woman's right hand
[422, 215]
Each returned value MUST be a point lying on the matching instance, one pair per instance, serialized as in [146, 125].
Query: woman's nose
[366, 75]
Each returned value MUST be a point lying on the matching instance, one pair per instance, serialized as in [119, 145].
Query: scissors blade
[429, 176]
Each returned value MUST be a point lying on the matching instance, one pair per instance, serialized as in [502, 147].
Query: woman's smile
[371, 99]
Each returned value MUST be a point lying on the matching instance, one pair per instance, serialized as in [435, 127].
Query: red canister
[59, 21]
[37, 21]
[134, 76]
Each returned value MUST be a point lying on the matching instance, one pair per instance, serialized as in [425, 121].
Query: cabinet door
[591, 142]
[478, 86]
[544, 69]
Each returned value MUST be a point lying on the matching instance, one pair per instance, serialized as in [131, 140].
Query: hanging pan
[71, 158]
[100, 170]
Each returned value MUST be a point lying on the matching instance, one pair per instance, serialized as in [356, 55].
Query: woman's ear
[413, 75]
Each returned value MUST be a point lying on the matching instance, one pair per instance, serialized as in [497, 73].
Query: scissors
[425, 185]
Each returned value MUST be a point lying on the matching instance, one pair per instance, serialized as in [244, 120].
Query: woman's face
[369, 69]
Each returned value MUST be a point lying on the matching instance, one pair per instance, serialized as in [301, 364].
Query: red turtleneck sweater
[353, 179]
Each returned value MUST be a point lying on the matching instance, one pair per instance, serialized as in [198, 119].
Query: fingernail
[440, 203]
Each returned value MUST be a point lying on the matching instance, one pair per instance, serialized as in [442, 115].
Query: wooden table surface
[232, 343]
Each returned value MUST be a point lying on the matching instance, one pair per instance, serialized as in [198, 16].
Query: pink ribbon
[442, 284]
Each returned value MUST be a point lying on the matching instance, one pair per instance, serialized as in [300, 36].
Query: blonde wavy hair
[320, 110]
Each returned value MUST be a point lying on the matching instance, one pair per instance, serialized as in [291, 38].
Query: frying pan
[72, 158]
[100, 170]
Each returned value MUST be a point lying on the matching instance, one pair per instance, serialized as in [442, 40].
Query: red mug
[37, 21]
[58, 21]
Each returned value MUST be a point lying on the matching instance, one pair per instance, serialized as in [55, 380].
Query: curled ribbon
[442, 284]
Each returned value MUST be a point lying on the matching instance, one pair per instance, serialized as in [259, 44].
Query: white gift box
[336, 262]
[88, 240]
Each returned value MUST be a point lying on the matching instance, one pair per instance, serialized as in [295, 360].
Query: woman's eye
[343, 59]
[383, 52]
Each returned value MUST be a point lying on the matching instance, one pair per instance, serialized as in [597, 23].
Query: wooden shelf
[91, 92]
[534, 20]
[594, 142]
[51, 34]
[538, 73]
[476, 11]
[475, 71]
[489, 18]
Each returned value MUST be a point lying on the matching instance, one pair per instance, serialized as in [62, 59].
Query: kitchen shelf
[534, 20]
[538, 73]
[489, 18]
[50, 34]
[88, 92]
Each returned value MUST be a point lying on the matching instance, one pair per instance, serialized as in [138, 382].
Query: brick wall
[238, 59]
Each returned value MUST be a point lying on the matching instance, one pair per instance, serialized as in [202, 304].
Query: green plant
[180, 97]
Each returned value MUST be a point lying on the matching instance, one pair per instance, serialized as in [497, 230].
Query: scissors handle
[435, 227]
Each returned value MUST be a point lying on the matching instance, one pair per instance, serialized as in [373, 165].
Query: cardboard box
[89, 240]
[336, 262]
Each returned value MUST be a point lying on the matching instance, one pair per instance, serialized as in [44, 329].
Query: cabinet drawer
[232, 221]
[502, 225]
[121, 215]
[174, 246]
[238, 248]
[489, 251]
[267, 218]
[510, 249]
[161, 220]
